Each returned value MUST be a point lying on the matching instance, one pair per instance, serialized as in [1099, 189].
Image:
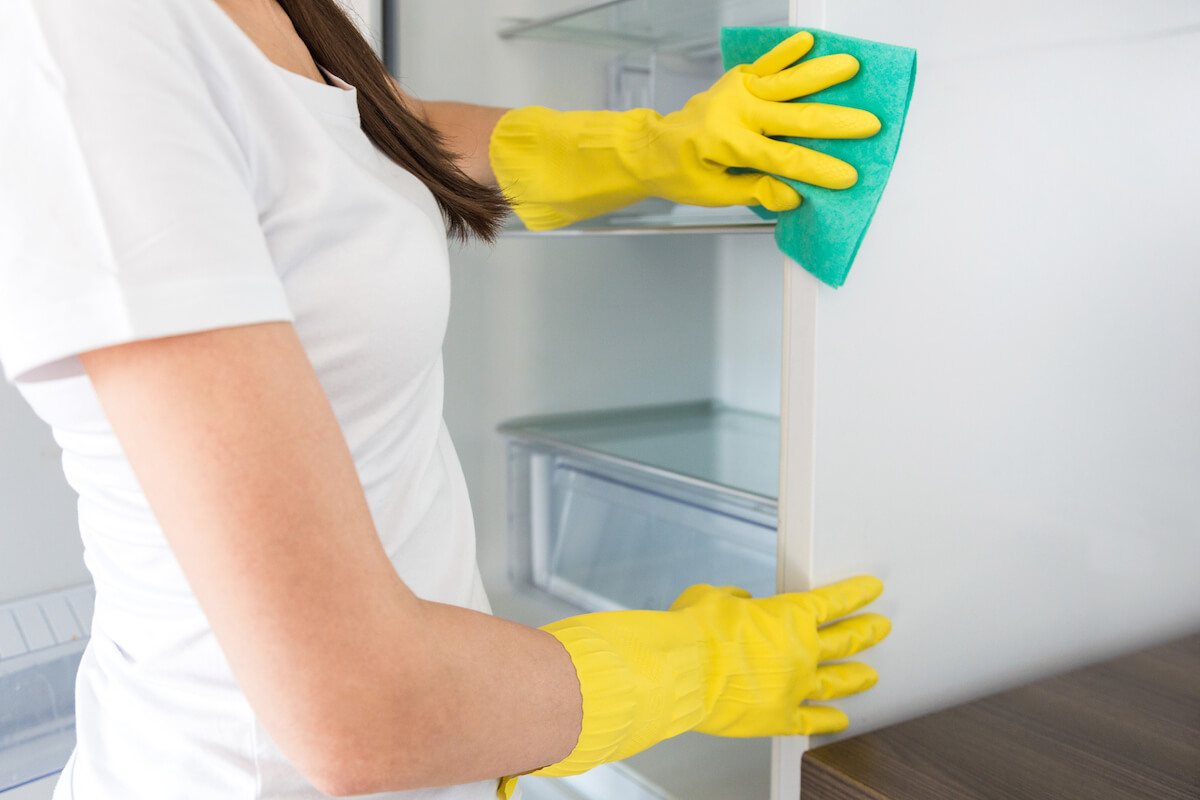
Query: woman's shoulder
[132, 152]
[134, 40]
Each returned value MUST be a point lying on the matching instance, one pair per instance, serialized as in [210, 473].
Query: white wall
[1007, 386]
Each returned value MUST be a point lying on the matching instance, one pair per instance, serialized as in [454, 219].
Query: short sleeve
[127, 203]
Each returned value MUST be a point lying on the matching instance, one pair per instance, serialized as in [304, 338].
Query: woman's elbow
[352, 775]
[348, 756]
[344, 783]
[334, 785]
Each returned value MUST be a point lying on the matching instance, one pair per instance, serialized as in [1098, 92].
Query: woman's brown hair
[336, 44]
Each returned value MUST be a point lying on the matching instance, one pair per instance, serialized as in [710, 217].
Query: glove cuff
[634, 697]
[607, 686]
[560, 167]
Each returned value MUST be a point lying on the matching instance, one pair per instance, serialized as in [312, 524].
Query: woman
[223, 282]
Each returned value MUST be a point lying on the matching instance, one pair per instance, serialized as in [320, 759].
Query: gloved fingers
[798, 163]
[840, 680]
[810, 720]
[735, 591]
[773, 194]
[853, 635]
[752, 189]
[783, 55]
[839, 599]
[813, 120]
[804, 79]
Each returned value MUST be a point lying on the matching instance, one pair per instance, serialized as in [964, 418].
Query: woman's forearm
[510, 696]
[468, 130]
[457, 697]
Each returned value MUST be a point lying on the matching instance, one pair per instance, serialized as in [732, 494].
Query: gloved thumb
[812, 720]
[756, 190]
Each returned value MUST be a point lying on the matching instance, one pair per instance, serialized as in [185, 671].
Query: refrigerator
[997, 414]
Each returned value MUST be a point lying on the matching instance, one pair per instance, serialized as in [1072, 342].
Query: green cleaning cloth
[824, 233]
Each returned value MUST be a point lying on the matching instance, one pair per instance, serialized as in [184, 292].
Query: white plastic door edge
[796, 453]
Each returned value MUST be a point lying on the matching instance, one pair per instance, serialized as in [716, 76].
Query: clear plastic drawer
[627, 509]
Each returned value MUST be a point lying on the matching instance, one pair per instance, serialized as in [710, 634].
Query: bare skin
[366, 687]
[467, 129]
[269, 27]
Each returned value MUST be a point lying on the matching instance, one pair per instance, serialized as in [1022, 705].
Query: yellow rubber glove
[717, 662]
[559, 167]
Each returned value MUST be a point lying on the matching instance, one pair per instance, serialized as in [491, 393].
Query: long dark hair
[468, 207]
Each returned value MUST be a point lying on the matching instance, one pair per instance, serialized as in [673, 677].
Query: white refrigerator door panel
[1006, 391]
[944, 31]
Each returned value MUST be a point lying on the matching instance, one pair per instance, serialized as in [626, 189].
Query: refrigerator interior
[570, 323]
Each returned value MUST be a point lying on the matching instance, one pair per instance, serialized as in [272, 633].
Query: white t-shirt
[158, 176]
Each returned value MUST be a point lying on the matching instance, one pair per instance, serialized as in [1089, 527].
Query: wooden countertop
[1127, 729]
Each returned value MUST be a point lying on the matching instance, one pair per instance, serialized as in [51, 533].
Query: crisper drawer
[42, 640]
[606, 533]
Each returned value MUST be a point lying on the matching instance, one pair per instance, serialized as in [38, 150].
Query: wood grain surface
[1127, 729]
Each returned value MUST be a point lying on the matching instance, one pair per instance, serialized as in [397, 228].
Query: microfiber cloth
[824, 233]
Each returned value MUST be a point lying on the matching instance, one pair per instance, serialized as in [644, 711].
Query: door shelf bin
[42, 641]
[604, 530]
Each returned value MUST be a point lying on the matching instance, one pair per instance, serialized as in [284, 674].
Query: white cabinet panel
[1006, 390]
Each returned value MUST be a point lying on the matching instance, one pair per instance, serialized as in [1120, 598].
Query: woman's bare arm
[467, 129]
[364, 686]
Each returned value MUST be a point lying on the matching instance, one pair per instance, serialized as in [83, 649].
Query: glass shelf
[659, 25]
[706, 442]
[657, 216]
